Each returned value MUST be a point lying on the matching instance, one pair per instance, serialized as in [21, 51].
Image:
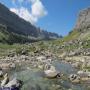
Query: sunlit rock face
[83, 21]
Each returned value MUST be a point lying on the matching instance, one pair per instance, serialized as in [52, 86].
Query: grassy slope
[75, 34]
[72, 36]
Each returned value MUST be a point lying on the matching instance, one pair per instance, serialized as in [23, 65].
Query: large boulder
[5, 80]
[51, 73]
[84, 73]
[74, 78]
[15, 83]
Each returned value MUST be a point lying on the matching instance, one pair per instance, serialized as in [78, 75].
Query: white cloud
[14, 10]
[25, 14]
[37, 10]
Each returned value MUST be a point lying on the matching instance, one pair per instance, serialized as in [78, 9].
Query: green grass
[5, 49]
[73, 35]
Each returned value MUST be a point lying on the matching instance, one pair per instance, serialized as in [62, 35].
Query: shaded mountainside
[10, 37]
[14, 24]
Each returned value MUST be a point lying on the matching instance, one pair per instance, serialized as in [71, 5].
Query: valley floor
[28, 61]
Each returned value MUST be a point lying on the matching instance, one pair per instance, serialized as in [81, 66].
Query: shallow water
[34, 80]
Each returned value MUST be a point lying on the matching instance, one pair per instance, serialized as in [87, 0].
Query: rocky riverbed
[34, 63]
[30, 69]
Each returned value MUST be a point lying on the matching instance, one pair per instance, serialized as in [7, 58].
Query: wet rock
[14, 83]
[5, 80]
[74, 78]
[84, 73]
[85, 79]
[1, 73]
[51, 73]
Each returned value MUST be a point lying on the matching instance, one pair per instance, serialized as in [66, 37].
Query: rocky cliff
[83, 21]
[81, 30]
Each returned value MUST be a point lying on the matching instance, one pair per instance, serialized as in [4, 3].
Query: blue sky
[56, 15]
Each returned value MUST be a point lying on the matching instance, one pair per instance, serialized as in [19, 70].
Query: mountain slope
[10, 37]
[82, 27]
[83, 24]
[16, 25]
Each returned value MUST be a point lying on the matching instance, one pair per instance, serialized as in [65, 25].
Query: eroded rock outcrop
[83, 21]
